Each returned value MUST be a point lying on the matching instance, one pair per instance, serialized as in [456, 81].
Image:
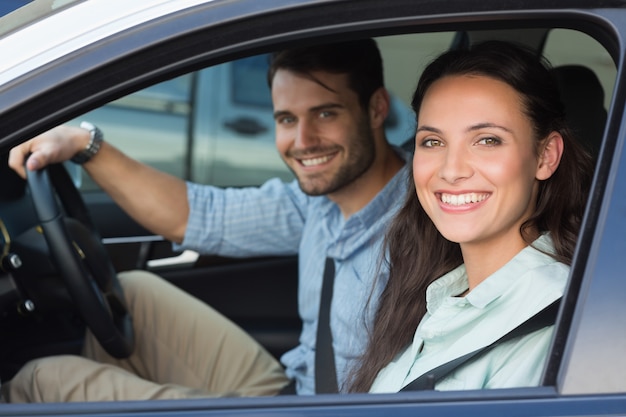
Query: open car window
[202, 126]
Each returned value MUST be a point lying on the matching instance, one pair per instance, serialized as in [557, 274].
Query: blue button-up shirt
[279, 219]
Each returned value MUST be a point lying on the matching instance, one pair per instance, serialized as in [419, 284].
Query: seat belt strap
[325, 372]
[544, 318]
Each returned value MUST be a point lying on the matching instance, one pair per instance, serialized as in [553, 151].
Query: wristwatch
[92, 148]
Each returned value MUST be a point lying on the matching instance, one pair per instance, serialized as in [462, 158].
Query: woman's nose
[456, 165]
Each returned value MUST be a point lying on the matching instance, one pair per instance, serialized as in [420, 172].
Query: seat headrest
[583, 98]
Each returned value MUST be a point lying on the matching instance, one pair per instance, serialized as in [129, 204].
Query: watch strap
[92, 148]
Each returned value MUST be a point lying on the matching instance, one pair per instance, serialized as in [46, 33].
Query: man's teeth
[315, 161]
[461, 199]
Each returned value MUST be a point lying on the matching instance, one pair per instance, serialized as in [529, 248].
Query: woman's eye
[489, 141]
[431, 143]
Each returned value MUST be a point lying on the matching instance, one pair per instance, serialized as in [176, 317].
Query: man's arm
[158, 201]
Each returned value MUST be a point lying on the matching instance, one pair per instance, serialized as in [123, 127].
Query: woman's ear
[379, 107]
[550, 156]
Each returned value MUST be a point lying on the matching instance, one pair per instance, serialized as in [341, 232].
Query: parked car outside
[180, 85]
[7, 6]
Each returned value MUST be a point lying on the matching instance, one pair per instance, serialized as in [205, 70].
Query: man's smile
[318, 160]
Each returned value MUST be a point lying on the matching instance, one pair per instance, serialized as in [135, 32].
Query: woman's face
[475, 166]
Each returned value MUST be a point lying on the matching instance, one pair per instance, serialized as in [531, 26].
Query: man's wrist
[92, 148]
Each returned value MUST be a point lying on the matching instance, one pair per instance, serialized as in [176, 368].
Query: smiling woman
[487, 233]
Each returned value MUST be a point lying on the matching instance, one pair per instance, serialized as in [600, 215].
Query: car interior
[40, 316]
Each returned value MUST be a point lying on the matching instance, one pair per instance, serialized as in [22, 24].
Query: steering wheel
[81, 259]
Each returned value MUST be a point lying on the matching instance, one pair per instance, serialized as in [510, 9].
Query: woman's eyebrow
[477, 126]
[426, 128]
[487, 124]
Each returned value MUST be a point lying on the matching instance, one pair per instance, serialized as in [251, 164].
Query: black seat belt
[544, 318]
[325, 372]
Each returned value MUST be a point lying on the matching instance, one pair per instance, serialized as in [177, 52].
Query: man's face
[322, 132]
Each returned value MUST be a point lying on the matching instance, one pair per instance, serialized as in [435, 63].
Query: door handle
[186, 259]
[246, 126]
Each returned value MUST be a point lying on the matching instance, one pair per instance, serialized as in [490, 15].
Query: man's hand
[54, 146]
[158, 201]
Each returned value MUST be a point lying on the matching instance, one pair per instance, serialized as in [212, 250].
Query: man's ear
[379, 107]
[550, 157]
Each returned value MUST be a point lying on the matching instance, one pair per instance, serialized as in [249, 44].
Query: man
[329, 106]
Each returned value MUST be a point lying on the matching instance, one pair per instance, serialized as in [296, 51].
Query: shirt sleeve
[243, 222]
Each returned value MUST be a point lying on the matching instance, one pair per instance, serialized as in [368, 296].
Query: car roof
[23, 48]
[25, 27]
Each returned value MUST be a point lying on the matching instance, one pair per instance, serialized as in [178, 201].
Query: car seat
[583, 98]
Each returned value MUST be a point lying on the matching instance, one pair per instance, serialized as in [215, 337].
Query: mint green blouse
[454, 326]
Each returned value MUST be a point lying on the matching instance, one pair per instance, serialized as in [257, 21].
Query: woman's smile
[462, 199]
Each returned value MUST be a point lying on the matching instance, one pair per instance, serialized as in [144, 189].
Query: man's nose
[306, 134]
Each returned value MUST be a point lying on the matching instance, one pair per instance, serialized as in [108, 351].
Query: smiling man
[330, 105]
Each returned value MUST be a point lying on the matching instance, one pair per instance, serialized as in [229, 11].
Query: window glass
[250, 86]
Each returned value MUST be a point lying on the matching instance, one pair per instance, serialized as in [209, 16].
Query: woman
[488, 229]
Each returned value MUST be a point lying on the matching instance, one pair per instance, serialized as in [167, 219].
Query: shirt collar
[358, 229]
[383, 201]
[455, 282]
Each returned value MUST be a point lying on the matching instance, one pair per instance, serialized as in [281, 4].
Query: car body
[110, 50]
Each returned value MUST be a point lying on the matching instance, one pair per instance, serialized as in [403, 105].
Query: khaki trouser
[183, 349]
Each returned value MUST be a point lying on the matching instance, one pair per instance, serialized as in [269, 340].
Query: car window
[215, 126]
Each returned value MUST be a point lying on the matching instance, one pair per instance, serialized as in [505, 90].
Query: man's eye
[286, 120]
[325, 114]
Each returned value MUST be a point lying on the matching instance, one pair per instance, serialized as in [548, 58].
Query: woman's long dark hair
[418, 254]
